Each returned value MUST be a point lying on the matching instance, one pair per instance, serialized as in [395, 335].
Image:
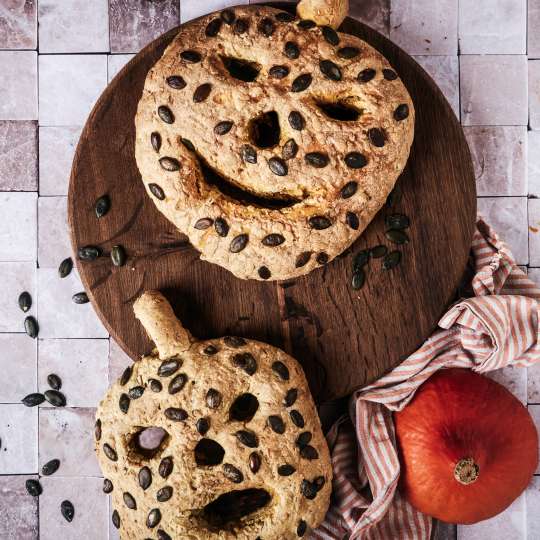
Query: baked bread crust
[329, 201]
[224, 366]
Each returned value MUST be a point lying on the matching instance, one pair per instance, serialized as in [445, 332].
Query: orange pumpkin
[467, 446]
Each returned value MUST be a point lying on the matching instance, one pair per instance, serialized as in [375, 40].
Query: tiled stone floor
[485, 56]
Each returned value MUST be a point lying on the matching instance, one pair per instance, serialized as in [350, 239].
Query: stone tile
[134, 23]
[18, 509]
[534, 94]
[513, 379]
[190, 9]
[499, 156]
[90, 505]
[18, 226]
[57, 147]
[53, 234]
[115, 63]
[18, 24]
[508, 215]
[533, 163]
[533, 28]
[534, 232]
[534, 275]
[443, 531]
[18, 85]
[18, 156]
[532, 496]
[533, 372]
[444, 70]
[73, 26]
[82, 364]
[509, 525]
[18, 365]
[535, 413]
[493, 90]
[374, 13]
[16, 278]
[503, 31]
[425, 27]
[118, 361]
[59, 316]
[69, 85]
[67, 434]
[19, 434]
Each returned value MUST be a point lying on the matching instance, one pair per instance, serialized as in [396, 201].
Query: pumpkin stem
[466, 471]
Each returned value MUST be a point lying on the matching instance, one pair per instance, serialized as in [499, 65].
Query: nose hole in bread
[208, 453]
[339, 110]
[243, 408]
[264, 131]
[228, 509]
[240, 69]
[147, 443]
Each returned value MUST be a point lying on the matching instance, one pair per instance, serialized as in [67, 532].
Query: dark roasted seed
[358, 279]
[254, 462]
[31, 327]
[355, 160]
[25, 301]
[391, 260]
[248, 153]
[176, 414]
[303, 259]
[166, 467]
[319, 482]
[296, 120]
[319, 222]
[389, 74]
[379, 251]
[283, 16]
[361, 259]
[164, 494]
[348, 190]
[377, 137]
[306, 24]
[203, 223]
[162, 535]
[290, 149]
[273, 240]
[110, 452]
[177, 383]
[129, 501]
[68, 510]
[65, 267]
[155, 140]
[397, 236]
[97, 430]
[102, 206]
[286, 470]
[264, 272]
[228, 16]
[301, 529]
[302, 82]
[266, 27]
[290, 397]
[153, 519]
[123, 403]
[234, 341]
[276, 423]
[126, 375]
[136, 392]
[55, 398]
[303, 439]
[145, 478]
[202, 92]
[330, 70]
[177, 82]
[34, 488]
[32, 400]
[168, 367]
[232, 473]
[281, 370]
[155, 385]
[169, 164]
[80, 298]
[366, 75]
[246, 362]
[89, 253]
[297, 418]
[401, 112]
[118, 256]
[50, 467]
[213, 27]
[239, 243]
[213, 398]
[223, 128]
[222, 227]
[395, 196]
[397, 221]
[317, 159]
[278, 72]
[210, 350]
[202, 425]
[278, 166]
[291, 50]
[308, 490]
[247, 438]
[156, 191]
[348, 52]
[241, 26]
[352, 220]
[115, 518]
[188, 144]
[192, 57]
[308, 452]
[330, 35]
[107, 486]
[165, 114]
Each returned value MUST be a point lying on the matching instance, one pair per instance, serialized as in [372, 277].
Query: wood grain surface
[343, 338]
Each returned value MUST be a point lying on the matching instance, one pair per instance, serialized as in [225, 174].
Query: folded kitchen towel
[496, 327]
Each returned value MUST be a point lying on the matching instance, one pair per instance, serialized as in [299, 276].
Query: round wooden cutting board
[343, 338]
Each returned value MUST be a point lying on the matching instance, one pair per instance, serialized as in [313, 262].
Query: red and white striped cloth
[496, 327]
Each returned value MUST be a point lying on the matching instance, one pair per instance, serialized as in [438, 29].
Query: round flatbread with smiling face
[240, 452]
[270, 141]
